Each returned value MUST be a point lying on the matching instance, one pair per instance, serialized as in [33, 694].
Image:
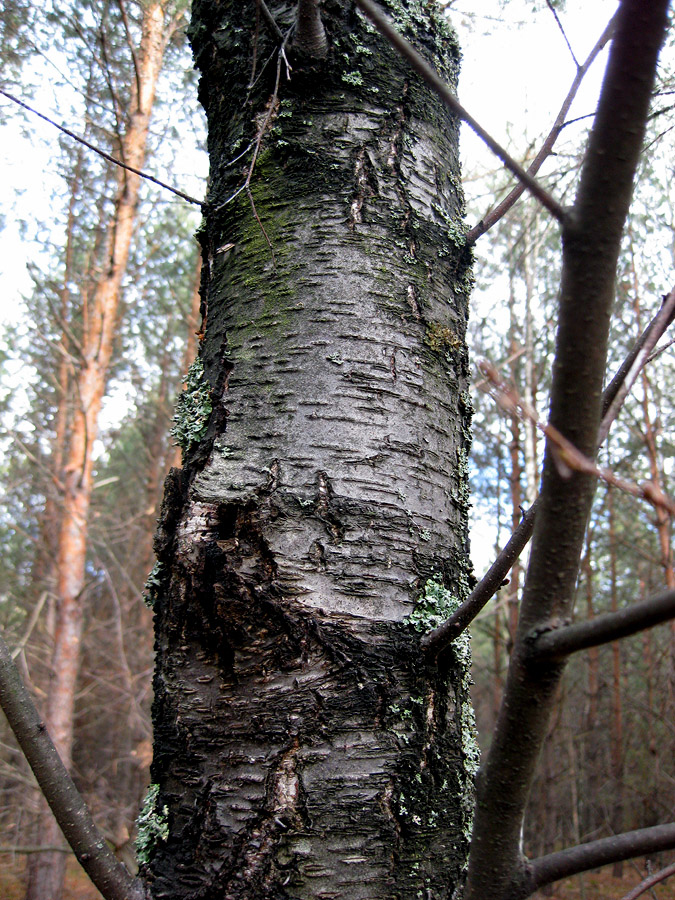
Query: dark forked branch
[440, 638]
[497, 212]
[611, 626]
[108, 874]
[592, 233]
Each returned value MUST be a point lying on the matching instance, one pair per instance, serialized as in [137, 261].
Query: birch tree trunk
[303, 748]
[100, 322]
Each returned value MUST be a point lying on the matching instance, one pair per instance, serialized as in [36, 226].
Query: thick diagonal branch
[65, 801]
[584, 857]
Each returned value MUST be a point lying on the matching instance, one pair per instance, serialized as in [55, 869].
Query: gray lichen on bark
[303, 747]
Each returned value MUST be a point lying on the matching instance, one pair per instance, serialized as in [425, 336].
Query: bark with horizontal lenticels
[303, 747]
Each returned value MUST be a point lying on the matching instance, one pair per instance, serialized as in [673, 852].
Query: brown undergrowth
[602, 885]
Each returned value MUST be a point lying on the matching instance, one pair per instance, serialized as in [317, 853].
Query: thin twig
[661, 350]
[105, 66]
[271, 21]
[495, 214]
[256, 37]
[30, 625]
[130, 45]
[262, 227]
[108, 874]
[664, 316]
[650, 882]
[35, 460]
[272, 107]
[567, 456]
[107, 156]
[562, 31]
[437, 84]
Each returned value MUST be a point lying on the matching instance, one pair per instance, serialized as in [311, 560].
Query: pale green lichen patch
[193, 408]
[353, 78]
[435, 605]
[152, 825]
[470, 748]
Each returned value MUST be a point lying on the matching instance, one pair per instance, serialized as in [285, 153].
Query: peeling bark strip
[303, 748]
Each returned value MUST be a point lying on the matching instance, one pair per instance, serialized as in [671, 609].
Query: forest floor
[599, 885]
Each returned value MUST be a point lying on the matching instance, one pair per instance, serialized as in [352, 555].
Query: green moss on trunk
[304, 748]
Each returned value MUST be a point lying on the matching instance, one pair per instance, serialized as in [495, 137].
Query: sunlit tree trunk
[303, 748]
[43, 572]
[100, 320]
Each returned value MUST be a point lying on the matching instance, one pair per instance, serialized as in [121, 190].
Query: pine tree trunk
[46, 870]
[303, 748]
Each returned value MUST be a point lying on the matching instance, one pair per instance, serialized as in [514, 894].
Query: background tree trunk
[46, 870]
[302, 746]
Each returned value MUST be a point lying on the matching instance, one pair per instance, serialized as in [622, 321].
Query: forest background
[608, 763]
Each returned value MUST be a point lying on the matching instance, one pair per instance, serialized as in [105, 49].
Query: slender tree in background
[99, 326]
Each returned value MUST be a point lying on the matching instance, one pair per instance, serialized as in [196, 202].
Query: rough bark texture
[303, 748]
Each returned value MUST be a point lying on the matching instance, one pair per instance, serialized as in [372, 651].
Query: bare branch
[439, 639]
[436, 83]
[584, 857]
[130, 45]
[108, 874]
[107, 156]
[650, 882]
[502, 208]
[612, 626]
[592, 233]
[271, 21]
[662, 320]
[30, 625]
[563, 452]
[562, 31]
